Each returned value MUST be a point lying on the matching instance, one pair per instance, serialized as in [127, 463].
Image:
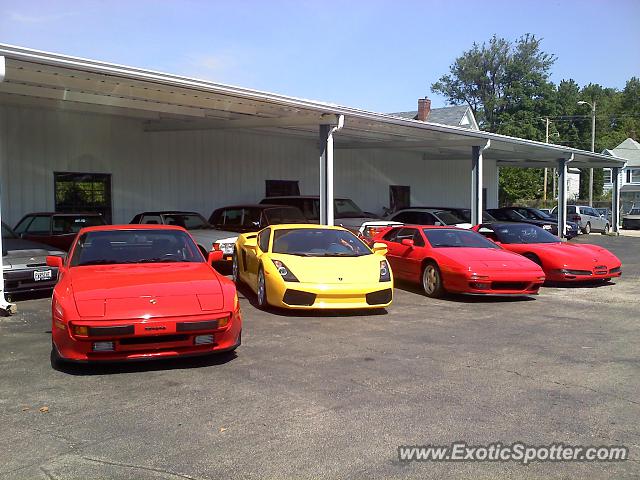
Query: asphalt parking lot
[332, 396]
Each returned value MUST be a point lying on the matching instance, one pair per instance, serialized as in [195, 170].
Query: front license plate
[42, 275]
[229, 259]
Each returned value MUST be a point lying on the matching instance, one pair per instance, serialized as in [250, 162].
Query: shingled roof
[453, 115]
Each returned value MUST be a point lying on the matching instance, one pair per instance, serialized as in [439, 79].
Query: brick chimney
[424, 108]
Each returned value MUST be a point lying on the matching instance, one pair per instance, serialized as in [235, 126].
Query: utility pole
[593, 145]
[544, 189]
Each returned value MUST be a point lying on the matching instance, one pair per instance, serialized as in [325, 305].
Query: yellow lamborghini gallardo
[313, 266]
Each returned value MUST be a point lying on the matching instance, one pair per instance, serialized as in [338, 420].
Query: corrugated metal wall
[201, 170]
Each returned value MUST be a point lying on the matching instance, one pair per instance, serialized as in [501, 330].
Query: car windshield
[190, 221]
[523, 233]
[449, 238]
[533, 214]
[280, 215]
[635, 211]
[318, 242]
[345, 208]
[134, 246]
[448, 218]
[7, 232]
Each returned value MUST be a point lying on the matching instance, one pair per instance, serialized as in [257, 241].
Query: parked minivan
[587, 218]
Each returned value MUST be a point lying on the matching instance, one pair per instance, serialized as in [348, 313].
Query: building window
[399, 197]
[281, 188]
[633, 175]
[607, 175]
[83, 192]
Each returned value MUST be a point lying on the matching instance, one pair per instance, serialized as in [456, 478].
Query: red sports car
[561, 261]
[449, 259]
[132, 292]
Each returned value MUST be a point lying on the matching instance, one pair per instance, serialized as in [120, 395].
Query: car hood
[19, 253]
[208, 236]
[487, 258]
[340, 270]
[146, 291]
[574, 255]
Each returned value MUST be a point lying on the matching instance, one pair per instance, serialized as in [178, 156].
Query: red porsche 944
[133, 292]
[561, 261]
[449, 259]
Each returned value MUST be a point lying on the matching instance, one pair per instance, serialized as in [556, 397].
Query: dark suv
[251, 218]
[56, 229]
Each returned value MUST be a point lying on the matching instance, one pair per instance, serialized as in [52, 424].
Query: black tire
[261, 290]
[432, 281]
[587, 228]
[533, 257]
[606, 229]
[235, 270]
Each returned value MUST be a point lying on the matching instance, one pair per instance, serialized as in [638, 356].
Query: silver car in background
[24, 264]
[587, 218]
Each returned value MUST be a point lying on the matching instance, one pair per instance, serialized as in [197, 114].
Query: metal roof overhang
[168, 102]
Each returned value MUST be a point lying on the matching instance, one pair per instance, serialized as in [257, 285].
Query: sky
[376, 55]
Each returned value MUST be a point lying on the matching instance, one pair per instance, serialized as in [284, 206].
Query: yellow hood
[342, 270]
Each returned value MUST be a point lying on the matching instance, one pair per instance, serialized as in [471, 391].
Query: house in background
[629, 178]
[456, 115]
[462, 116]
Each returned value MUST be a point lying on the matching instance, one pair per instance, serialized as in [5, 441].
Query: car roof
[302, 196]
[130, 226]
[430, 227]
[65, 214]
[292, 226]
[261, 206]
[168, 212]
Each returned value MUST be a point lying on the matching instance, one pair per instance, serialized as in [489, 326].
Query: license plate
[229, 259]
[43, 275]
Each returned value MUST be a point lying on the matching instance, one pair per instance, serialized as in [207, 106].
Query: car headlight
[385, 271]
[284, 272]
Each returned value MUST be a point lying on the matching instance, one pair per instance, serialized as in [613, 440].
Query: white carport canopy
[171, 102]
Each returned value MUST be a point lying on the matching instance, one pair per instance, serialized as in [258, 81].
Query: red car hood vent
[148, 291]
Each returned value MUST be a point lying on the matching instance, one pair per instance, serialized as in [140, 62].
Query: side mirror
[53, 261]
[380, 248]
[215, 256]
[407, 242]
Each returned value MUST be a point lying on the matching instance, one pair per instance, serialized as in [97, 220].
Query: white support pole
[5, 307]
[615, 200]
[562, 196]
[476, 183]
[326, 170]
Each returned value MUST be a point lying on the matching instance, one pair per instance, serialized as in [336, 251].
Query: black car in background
[56, 229]
[532, 216]
[251, 218]
[24, 263]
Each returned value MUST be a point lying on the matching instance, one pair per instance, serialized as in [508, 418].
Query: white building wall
[202, 170]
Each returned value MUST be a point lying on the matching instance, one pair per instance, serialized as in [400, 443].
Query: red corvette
[561, 261]
[133, 292]
[448, 259]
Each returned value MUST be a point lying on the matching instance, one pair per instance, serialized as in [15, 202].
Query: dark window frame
[106, 209]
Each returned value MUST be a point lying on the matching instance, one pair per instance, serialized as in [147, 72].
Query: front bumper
[311, 296]
[497, 283]
[571, 275]
[22, 280]
[150, 339]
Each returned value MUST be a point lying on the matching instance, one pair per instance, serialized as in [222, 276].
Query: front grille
[578, 272]
[508, 285]
[615, 270]
[153, 339]
[600, 270]
[380, 297]
[296, 297]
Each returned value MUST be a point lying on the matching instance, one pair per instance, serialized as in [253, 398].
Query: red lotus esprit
[133, 292]
[449, 259]
[561, 261]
